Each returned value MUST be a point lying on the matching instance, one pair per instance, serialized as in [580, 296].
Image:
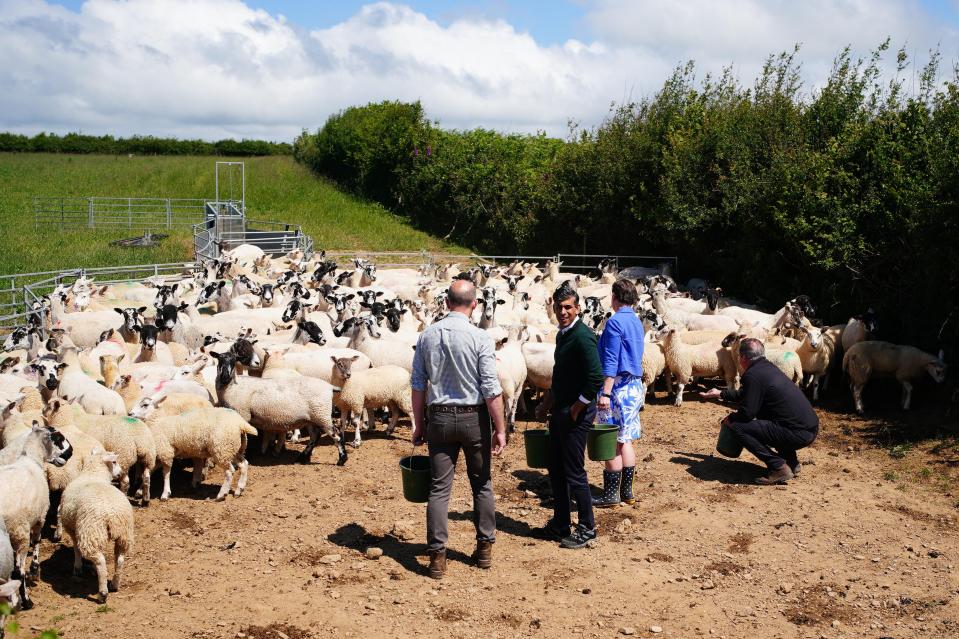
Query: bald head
[462, 296]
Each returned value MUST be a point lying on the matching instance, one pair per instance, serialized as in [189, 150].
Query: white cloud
[214, 68]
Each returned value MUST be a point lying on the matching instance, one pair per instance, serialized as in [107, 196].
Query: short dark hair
[460, 298]
[752, 349]
[625, 292]
[563, 292]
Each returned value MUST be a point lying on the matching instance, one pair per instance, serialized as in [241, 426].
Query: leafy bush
[848, 194]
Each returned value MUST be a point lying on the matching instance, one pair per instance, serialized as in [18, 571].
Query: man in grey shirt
[456, 362]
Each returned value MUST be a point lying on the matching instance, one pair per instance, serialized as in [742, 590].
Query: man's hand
[712, 393]
[499, 443]
[419, 436]
[576, 410]
[602, 403]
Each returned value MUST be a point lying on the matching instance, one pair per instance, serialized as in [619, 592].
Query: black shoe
[551, 531]
[796, 469]
[579, 537]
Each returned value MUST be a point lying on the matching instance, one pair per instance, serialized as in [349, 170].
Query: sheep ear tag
[130, 420]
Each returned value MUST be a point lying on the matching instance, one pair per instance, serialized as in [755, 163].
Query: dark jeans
[567, 470]
[773, 444]
[446, 434]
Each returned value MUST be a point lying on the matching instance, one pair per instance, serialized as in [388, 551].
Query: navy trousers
[567, 470]
[772, 444]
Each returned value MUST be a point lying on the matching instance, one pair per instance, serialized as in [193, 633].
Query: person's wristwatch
[609, 395]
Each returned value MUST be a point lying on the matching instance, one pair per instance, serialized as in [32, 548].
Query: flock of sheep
[111, 382]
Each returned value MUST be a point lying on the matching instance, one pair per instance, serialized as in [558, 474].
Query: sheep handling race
[677, 365]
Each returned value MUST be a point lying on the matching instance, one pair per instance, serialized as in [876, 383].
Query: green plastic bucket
[416, 478]
[536, 441]
[601, 441]
[728, 444]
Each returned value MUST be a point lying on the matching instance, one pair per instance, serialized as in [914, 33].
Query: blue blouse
[621, 344]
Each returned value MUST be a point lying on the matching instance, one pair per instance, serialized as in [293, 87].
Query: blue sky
[548, 21]
[232, 68]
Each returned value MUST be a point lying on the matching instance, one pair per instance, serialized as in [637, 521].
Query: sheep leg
[145, 487]
[19, 573]
[857, 397]
[370, 419]
[227, 482]
[35, 559]
[279, 444]
[199, 465]
[394, 418]
[101, 564]
[265, 440]
[906, 395]
[243, 466]
[125, 482]
[77, 563]
[357, 422]
[679, 394]
[166, 483]
[118, 560]
[815, 388]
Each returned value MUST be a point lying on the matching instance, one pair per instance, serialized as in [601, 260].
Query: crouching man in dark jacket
[774, 419]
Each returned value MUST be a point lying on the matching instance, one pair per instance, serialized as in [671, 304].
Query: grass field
[277, 189]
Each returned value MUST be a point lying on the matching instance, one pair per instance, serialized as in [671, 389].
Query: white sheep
[687, 361]
[654, 365]
[315, 362]
[95, 515]
[216, 436]
[67, 381]
[25, 499]
[365, 337]
[786, 360]
[9, 587]
[816, 354]
[865, 360]
[370, 389]
[511, 370]
[279, 405]
[126, 436]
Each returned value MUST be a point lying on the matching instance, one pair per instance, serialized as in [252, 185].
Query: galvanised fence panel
[135, 213]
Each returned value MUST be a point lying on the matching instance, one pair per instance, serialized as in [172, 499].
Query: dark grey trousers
[446, 434]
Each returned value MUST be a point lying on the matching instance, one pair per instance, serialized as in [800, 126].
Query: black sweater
[576, 367]
[767, 394]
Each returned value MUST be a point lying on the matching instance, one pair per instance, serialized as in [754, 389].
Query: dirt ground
[863, 544]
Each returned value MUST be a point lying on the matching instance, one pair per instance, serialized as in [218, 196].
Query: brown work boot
[484, 554]
[780, 476]
[437, 564]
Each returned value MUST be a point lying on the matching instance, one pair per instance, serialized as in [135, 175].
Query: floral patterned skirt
[629, 395]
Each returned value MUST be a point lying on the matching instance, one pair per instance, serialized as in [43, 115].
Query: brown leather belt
[442, 408]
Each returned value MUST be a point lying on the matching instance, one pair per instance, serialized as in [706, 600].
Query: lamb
[511, 370]
[66, 380]
[654, 365]
[815, 353]
[370, 389]
[9, 588]
[25, 499]
[93, 513]
[539, 364]
[318, 363]
[216, 436]
[858, 329]
[869, 359]
[786, 360]
[58, 477]
[686, 361]
[364, 337]
[129, 438]
[279, 405]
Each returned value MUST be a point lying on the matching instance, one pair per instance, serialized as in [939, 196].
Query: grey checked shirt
[457, 361]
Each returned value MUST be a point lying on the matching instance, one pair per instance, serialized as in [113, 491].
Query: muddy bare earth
[863, 544]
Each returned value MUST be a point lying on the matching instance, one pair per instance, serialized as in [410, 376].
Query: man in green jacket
[577, 376]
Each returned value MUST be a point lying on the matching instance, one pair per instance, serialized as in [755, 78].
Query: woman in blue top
[623, 393]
